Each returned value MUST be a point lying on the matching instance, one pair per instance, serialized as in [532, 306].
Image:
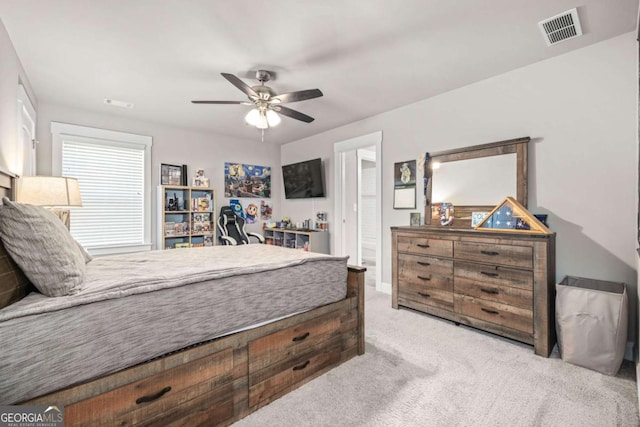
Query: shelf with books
[185, 217]
[306, 240]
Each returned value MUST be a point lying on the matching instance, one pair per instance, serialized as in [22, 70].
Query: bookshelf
[186, 217]
[306, 240]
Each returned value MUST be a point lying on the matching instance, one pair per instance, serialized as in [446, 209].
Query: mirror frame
[462, 214]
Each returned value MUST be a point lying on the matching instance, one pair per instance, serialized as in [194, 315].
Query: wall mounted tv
[303, 180]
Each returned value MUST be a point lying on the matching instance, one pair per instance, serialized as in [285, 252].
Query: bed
[263, 322]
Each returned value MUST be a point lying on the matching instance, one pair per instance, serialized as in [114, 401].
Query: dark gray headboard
[7, 184]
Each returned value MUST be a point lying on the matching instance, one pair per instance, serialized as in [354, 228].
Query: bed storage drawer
[286, 357]
[164, 398]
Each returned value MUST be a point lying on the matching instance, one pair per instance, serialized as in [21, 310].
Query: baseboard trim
[384, 287]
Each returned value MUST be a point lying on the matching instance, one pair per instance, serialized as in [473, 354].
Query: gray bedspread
[136, 307]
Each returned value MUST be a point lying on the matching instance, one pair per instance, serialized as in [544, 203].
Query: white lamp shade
[253, 117]
[53, 191]
[262, 119]
[273, 118]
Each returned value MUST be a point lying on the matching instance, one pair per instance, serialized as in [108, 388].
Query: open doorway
[358, 207]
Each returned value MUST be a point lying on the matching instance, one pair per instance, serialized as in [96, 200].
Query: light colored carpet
[422, 371]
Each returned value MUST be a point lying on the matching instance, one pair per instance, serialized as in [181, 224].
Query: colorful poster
[236, 205]
[266, 210]
[247, 180]
[251, 213]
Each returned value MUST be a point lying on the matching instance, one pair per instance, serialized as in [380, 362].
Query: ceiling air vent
[561, 27]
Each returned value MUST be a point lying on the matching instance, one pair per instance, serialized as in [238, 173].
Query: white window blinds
[114, 184]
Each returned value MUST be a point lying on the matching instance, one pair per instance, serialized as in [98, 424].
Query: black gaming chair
[232, 230]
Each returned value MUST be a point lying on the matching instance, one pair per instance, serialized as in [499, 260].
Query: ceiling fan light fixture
[263, 123]
[262, 119]
[253, 117]
[273, 118]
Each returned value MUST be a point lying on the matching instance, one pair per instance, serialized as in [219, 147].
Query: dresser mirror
[477, 178]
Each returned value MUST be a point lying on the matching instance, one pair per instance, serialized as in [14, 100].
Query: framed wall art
[171, 174]
[404, 191]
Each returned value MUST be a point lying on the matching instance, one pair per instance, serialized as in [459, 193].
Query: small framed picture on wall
[404, 186]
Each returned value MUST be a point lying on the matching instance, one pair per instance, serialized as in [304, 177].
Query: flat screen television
[303, 180]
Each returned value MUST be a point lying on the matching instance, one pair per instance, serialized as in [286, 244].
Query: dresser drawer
[422, 270]
[426, 295]
[497, 293]
[493, 275]
[501, 314]
[425, 246]
[514, 256]
[171, 393]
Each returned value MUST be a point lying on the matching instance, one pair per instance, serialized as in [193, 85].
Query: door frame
[339, 149]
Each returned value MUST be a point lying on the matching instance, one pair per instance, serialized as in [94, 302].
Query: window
[114, 173]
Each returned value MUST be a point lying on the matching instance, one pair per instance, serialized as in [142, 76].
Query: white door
[26, 133]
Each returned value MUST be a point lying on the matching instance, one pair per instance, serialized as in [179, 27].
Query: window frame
[60, 130]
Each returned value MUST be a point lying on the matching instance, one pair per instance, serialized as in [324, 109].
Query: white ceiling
[367, 56]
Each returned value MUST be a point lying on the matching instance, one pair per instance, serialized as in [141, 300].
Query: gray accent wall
[580, 111]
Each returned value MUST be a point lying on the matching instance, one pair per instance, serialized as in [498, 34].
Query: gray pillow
[87, 256]
[42, 246]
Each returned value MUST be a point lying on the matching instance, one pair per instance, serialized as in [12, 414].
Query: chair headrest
[228, 213]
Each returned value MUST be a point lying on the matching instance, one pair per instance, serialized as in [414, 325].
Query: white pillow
[42, 246]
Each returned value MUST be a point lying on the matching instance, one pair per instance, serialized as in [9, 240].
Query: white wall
[11, 73]
[579, 109]
[171, 145]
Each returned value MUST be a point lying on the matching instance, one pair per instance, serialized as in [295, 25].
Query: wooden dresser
[501, 282]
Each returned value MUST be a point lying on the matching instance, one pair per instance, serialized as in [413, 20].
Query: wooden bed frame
[224, 380]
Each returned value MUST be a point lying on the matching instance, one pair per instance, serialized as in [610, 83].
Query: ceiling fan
[268, 104]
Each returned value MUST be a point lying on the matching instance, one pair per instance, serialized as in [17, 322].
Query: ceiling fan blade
[293, 114]
[301, 95]
[222, 102]
[240, 85]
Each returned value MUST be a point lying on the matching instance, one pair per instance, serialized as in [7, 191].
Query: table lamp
[53, 192]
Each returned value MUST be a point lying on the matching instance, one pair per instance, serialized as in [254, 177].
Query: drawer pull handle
[423, 294]
[145, 399]
[490, 253]
[426, 264]
[301, 367]
[490, 291]
[424, 278]
[300, 337]
[484, 273]
[422, 245]
[486, 310]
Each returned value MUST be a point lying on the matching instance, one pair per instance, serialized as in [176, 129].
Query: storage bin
[591, 322]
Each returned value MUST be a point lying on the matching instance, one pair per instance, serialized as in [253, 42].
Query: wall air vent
[561, 27]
